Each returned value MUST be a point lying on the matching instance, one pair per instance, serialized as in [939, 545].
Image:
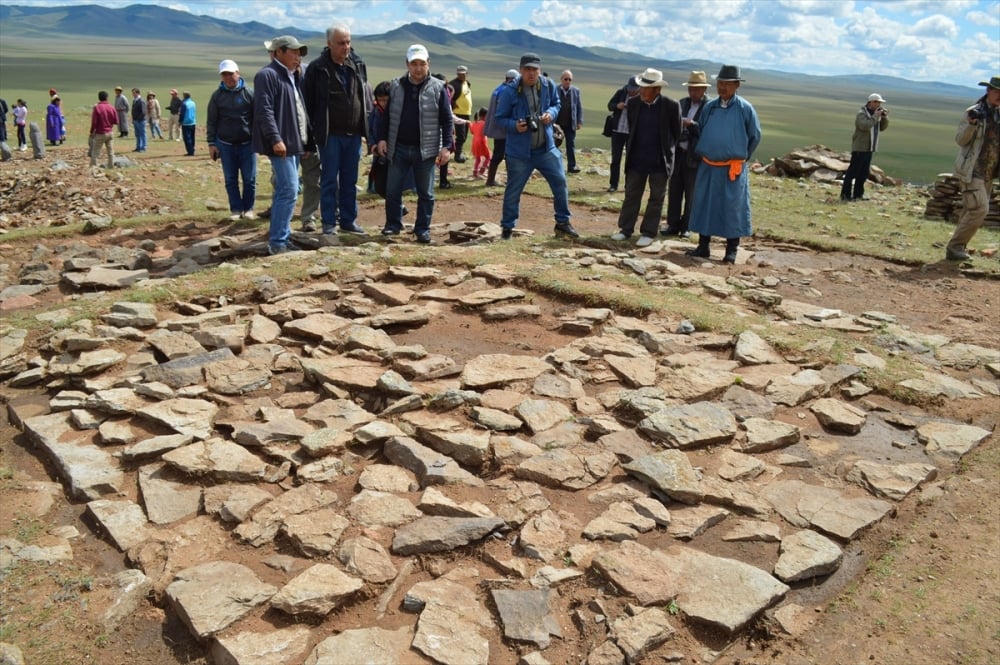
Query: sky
[952, 41]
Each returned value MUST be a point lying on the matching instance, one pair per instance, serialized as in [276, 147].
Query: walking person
[570, 118]
[619, 129]
[338, 101]
[174, 124]
[20, 112]
[139, 113]
[417, 136]
[655, 124]
[528, 108]
[681, 188]
[870, 121]
[730, 132]
[153, 113]
[228, 131]
[188, 120]
[280, 132]
[122, 106]
[976, 166]
[103, 119]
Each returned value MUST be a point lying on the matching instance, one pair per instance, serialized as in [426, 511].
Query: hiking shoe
[621, 236]
[390, 232]
[249, 214]
[353, 228]
[566, 229]
[276, 249]
[507, 234]
[700, 252]
[730, 257]
[235, 217]
[423, 237]
[957, 255]
[445, 185]
[309, 226]
[613, 188]
[644, 241]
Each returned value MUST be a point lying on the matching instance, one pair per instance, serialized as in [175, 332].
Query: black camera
[978, 112]
[532, 122]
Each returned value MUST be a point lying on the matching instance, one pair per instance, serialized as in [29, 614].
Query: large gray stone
[90, 472]
[210, 596]
[318, 590]
[690, 425]
[441, 534]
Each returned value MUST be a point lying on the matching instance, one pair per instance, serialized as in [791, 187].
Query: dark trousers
[681, 192]
[618, 141]
[635, 186]
[857, 174]
[570, 143]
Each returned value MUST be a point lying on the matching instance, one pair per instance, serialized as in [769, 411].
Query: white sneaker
[235, 217]
[619, 236]
[644, 241]
[249, 214]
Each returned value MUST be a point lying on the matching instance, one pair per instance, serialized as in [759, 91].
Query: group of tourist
[316, 116]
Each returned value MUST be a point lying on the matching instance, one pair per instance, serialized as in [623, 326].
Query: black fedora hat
[729, 73]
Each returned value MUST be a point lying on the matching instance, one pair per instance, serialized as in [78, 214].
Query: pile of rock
[296, 456]
[817, 162]
[945, 201]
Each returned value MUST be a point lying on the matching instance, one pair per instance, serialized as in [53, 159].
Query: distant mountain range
[153, 22]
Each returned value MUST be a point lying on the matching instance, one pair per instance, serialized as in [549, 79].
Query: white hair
[342, 28]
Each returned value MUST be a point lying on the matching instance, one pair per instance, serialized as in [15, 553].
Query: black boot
[701, 251]
[491, 175]
[732, 247]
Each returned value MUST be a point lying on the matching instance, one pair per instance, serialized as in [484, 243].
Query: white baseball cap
[875, 97]
[417, 52]
[228, 66]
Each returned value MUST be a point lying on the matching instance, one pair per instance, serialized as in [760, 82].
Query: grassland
[794, 111]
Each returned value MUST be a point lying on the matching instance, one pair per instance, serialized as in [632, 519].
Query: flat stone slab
[274, 647]
[492, 370]
[123, 521]
[90, 472]
[670, 473]
[635, 570]
[690, 425]
[948, 440]
[441, 534]
[183, 415]
[526, 616]
[210, 596]
[826, 509]
[318, 590]
[371, 646]
[720, 592]
[805, 555]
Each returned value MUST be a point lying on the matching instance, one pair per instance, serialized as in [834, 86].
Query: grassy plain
[794, 111]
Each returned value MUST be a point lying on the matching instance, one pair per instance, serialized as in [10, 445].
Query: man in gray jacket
[977, 166]
[417, 136]
[870, 120]
[280, 132]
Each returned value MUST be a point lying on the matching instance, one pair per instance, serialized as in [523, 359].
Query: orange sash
[735, 166]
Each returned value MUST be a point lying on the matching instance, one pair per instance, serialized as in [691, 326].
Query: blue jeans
[139, 127]
[549, 164]
[338, 198]
[187, 131]
[405, 158]
[239, 161]
[154, 130]
[286, 190]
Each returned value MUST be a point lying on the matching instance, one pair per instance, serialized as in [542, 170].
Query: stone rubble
[297, 426]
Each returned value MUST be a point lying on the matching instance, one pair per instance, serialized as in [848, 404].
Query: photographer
[526, 109]
[977, 166]
[870, 120]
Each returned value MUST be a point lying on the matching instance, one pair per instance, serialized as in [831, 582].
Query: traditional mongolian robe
[729, 135]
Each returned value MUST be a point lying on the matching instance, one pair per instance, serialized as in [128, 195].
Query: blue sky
[955, 41]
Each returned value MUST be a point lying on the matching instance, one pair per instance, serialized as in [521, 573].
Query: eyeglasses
[567, 79]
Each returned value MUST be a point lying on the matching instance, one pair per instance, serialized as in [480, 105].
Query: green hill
[82, 49]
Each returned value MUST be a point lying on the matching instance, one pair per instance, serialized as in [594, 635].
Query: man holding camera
[526, 109]
[870, 120]
[977, 166]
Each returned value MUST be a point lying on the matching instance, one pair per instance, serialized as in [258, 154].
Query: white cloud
[936, 26]
[989, 19]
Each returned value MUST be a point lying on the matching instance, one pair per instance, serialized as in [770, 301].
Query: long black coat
[670, 129]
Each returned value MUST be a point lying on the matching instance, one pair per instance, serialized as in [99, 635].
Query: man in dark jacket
[228, 132]
[686, 162]
[338, 102]
[619, 129]
[654, 123]
[570, 117]
[280, 131]
[139, 120]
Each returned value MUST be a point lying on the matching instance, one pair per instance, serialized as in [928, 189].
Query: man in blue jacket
[228, 132]
[280, 132]
[527, 109]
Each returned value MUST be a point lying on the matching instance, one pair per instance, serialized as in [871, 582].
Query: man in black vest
[338, 101]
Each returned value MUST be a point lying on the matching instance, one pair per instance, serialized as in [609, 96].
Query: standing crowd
[312, 120]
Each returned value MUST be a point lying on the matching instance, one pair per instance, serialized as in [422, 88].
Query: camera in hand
[531, 121]
[978, 112]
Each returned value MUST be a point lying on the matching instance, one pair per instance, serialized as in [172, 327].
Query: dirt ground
[920, 588]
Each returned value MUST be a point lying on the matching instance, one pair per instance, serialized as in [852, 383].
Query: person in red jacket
[103, 120]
